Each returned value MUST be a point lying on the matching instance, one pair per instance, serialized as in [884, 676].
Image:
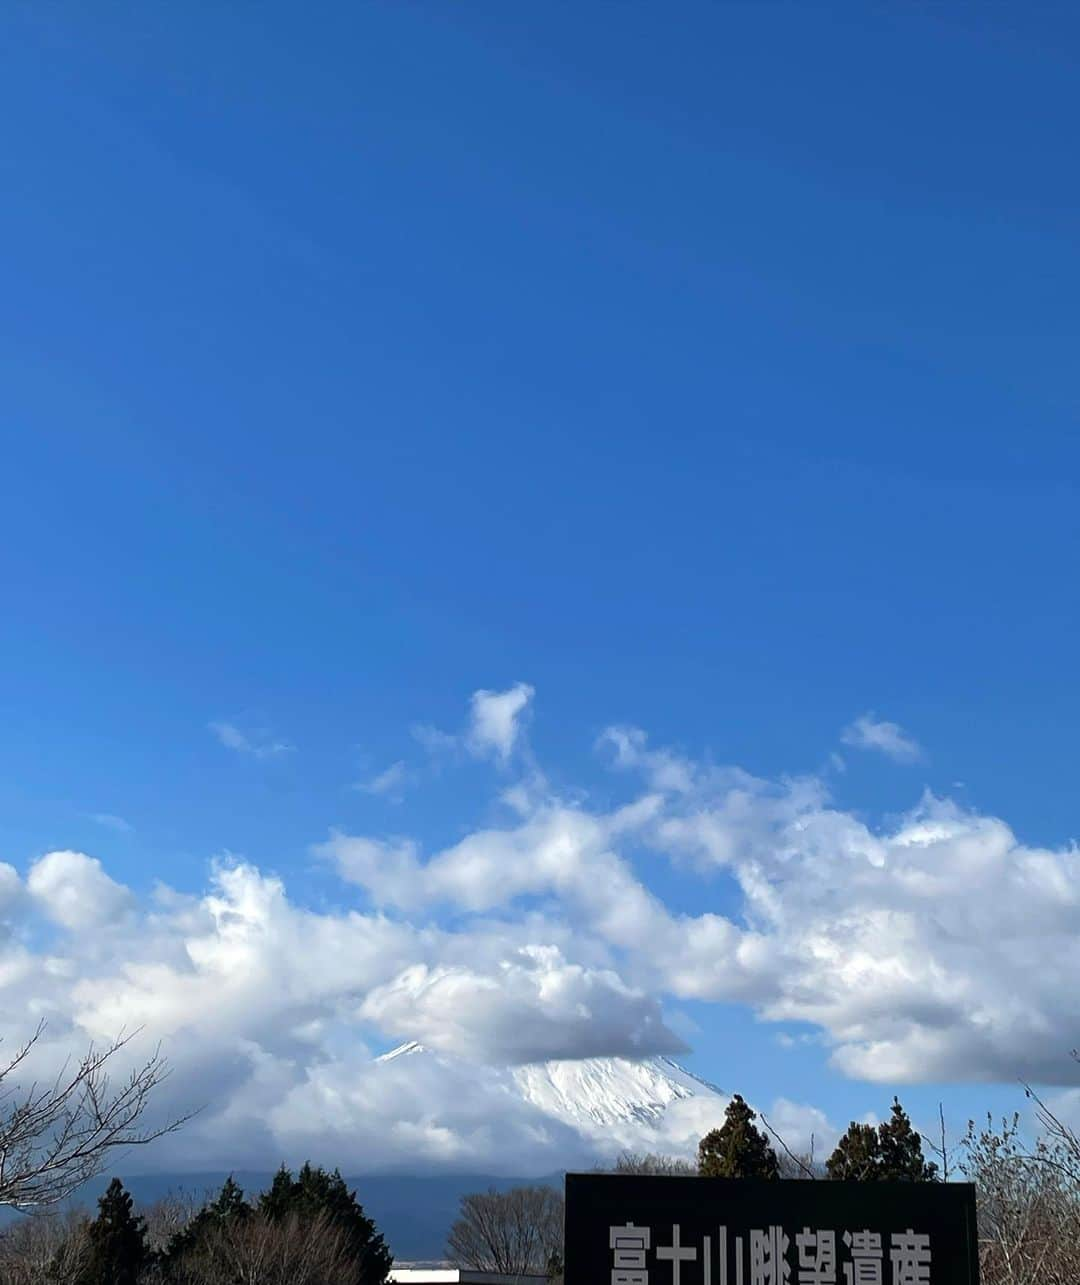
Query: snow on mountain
[612, 1103]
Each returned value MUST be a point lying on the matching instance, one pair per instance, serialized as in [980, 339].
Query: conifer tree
[117, 1249]
[738, 1149]
[230, 1202]
[890, 1153]
[902, 1158]
[229, 1205]
[314, 1192]
[857, 1157]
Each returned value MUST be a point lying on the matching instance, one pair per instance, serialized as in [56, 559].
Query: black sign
[630, 1230]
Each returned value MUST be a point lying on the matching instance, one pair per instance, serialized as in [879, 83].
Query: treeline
[309, 1229]
[303, 1230]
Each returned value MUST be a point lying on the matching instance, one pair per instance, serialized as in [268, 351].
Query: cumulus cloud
[426, 1113]
[495, 721]
[629, 749]
[74, 891]
[387, 868]
[883, 737]
[533, 1007]
[938, 946]
[259, 744]
[493, 729]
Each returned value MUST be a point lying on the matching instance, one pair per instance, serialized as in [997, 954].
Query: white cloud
[389, 783]
[938, 947]
[261, 1007]
[665, 771]
[259, 744]
[421, 1114]
[495, 722]
[803, 1128]
[73, 890]
[533, 1007]
[493, 729]
[432, 739]
[387, 868]
[112, 822]
[883, 737]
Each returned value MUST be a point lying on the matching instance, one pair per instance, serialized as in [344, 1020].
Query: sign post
[644, 1230]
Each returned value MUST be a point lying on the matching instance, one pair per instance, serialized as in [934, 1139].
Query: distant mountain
[593, 1094]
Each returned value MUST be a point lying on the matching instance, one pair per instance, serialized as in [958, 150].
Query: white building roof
[457, 1276]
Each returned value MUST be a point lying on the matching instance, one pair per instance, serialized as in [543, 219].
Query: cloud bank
[940, 947]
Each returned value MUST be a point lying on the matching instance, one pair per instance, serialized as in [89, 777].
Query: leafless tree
[517, 1232]
[650, 1162]
[1028, 1206]
[1064, 1140]
[257, 1251]
[169, 1215]
[54, 1137]
[43, 1249]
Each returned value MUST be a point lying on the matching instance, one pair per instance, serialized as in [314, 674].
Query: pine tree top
[738, 1149]
[890, 1153]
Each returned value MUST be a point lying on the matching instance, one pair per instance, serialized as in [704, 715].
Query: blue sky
[711, 372]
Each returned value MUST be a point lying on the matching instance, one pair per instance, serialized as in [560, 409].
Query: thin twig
[809, 1172]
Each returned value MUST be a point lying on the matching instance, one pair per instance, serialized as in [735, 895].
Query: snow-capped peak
[609, 1090]
[402, 1050]
[610, 1102]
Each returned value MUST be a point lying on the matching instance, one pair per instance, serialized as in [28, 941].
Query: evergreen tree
[118, 1252]
[902, 1158]
[738, 1149]
[228, 1205]
[314, 1192]
[857, 1157]
[230, 1202]
[890, 1153]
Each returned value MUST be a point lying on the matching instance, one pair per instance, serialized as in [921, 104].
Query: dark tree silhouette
[314, 1193]
[738, 1149]
[117, 1252]
[890, 1153]
[902, 1158]
[857, 1157]
[227, 1207]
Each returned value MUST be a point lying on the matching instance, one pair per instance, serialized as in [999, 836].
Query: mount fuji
[610, 1103]
[524, 1124]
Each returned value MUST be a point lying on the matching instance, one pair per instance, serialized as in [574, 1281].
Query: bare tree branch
[801, 1164]
[55, 1138]
[942, 1150]
[516, 1232]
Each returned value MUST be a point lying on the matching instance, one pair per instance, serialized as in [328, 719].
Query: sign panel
[645, 1230]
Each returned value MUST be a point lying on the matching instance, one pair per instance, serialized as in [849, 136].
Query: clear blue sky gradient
[711, 367]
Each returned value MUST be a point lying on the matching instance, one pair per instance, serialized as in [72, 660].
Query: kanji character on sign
[768, 1262]
[866, 1256]
[817, 1257]
[910, 1255]
[676, 1254]
[629, 1244]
